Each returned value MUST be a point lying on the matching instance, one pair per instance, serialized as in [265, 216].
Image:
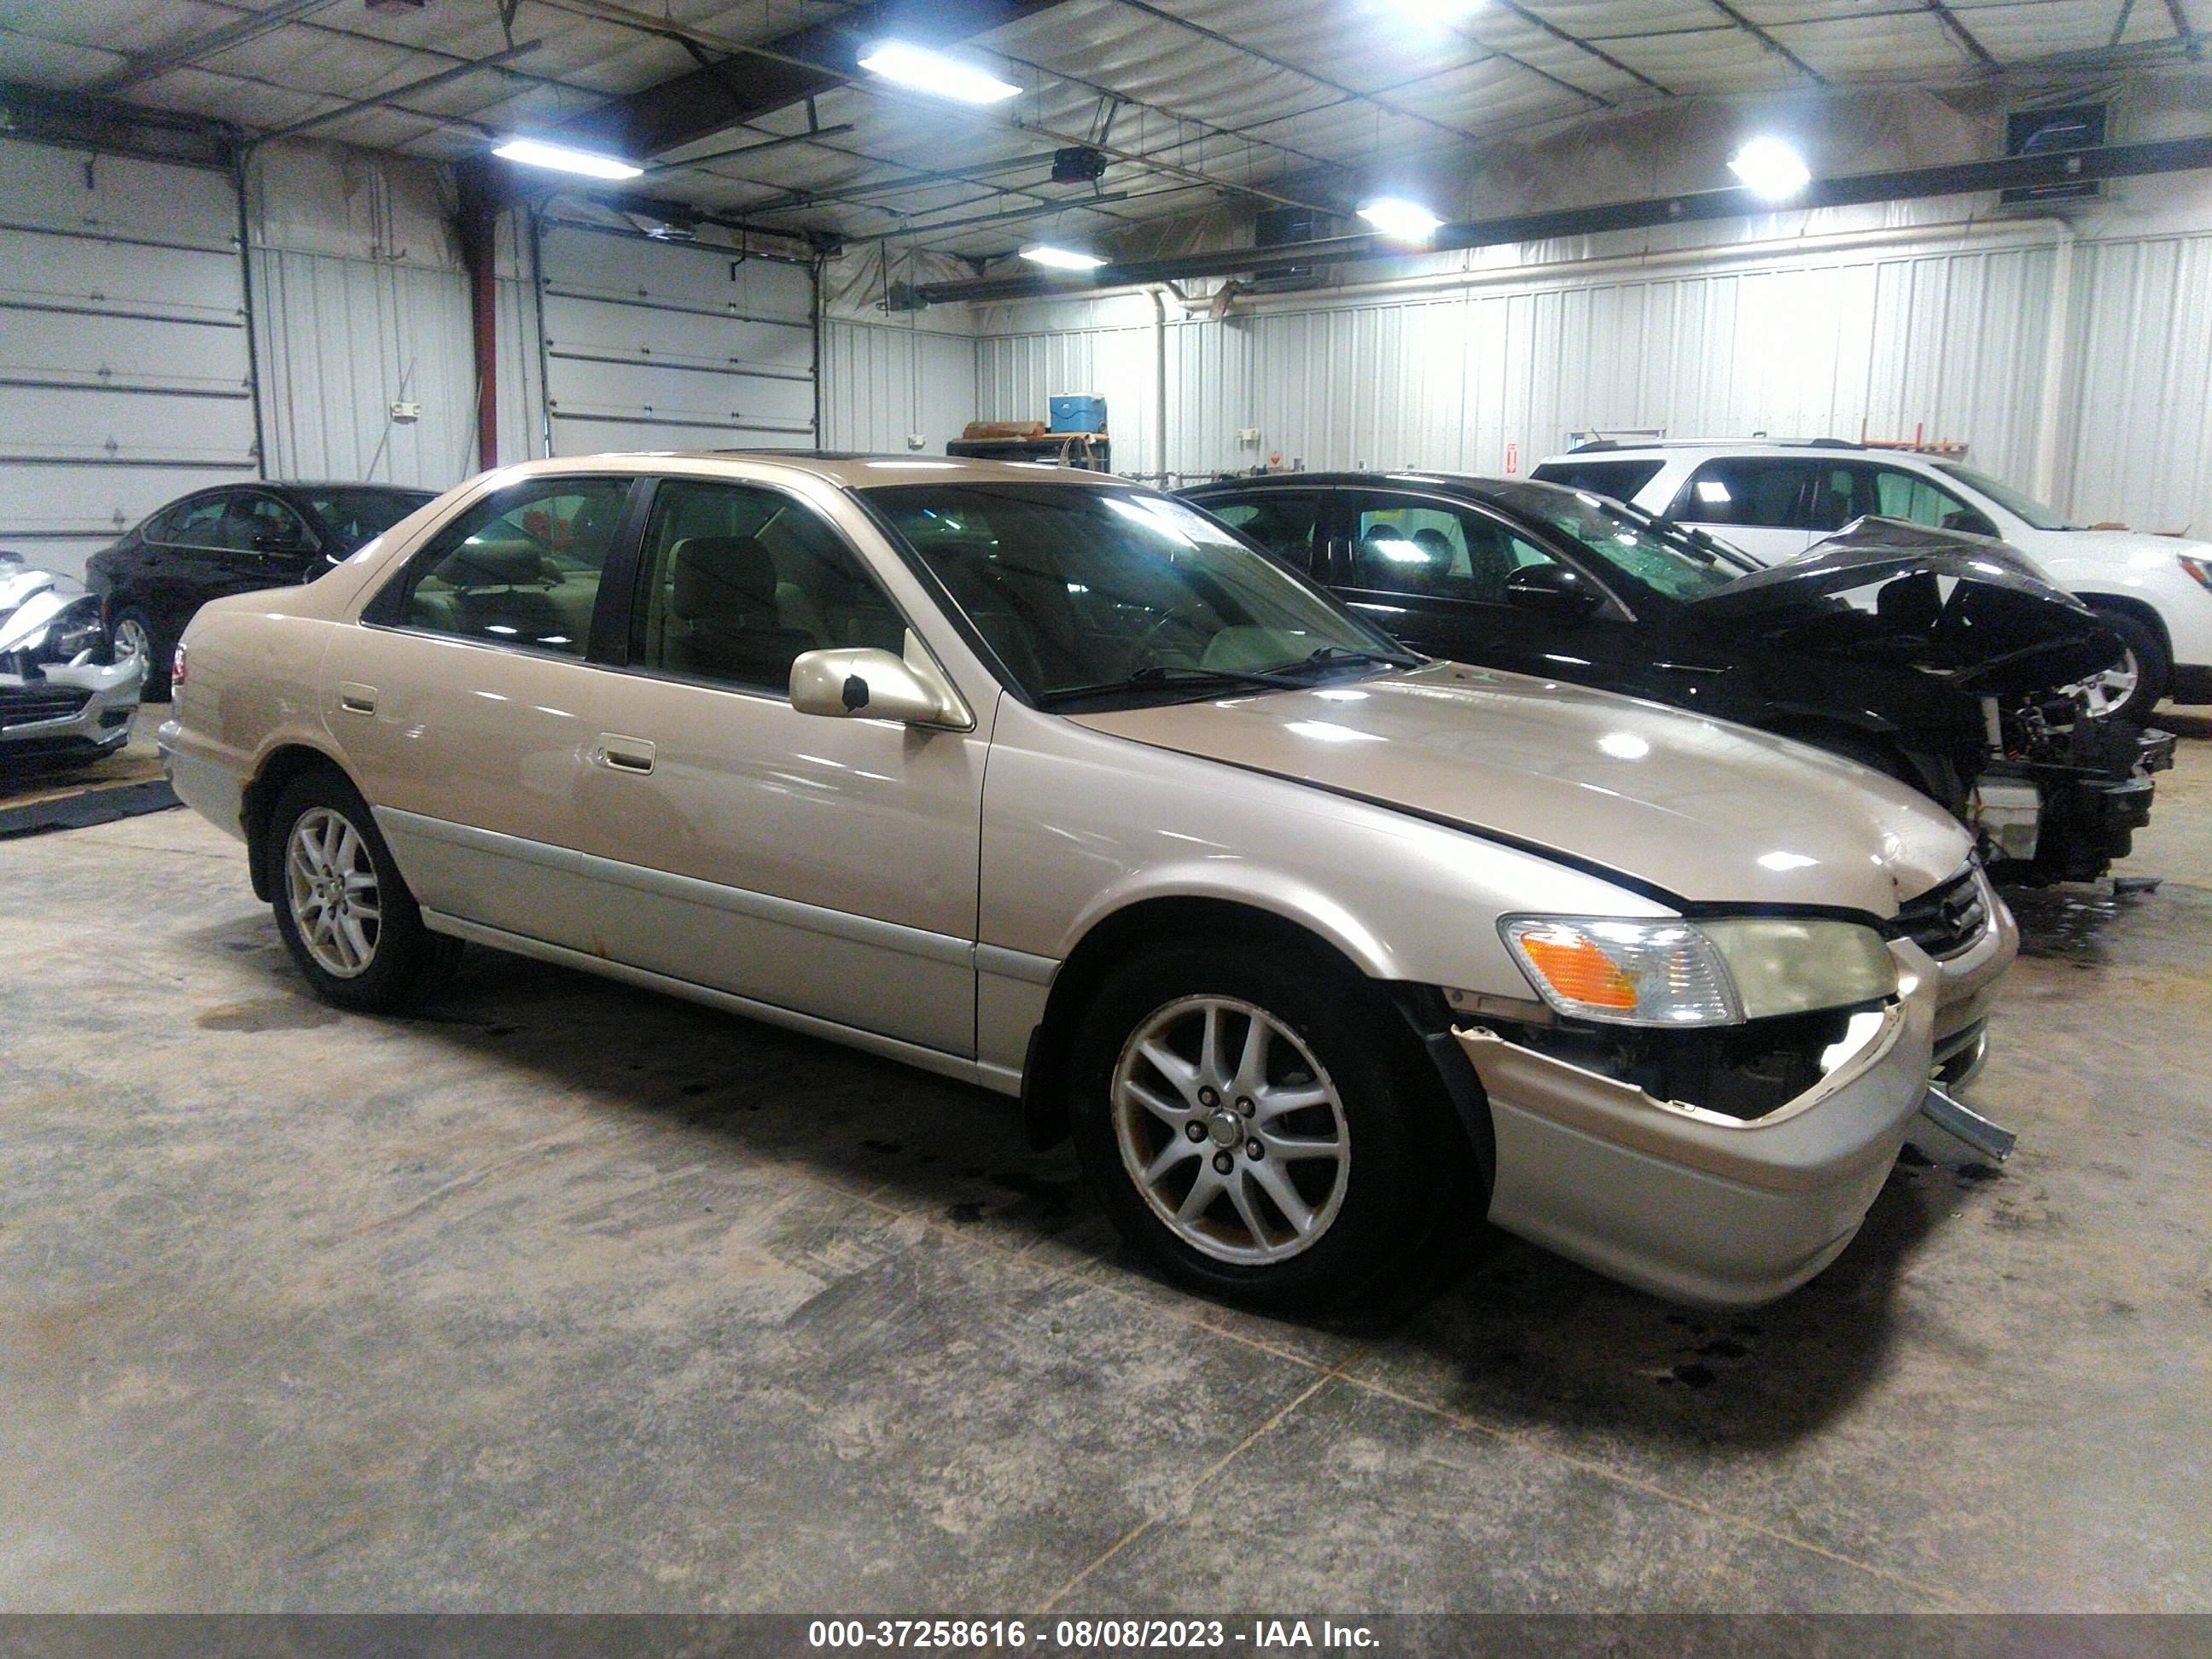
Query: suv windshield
[354, 515]
[1658, 557]
[2027, 507]
[1113, 595]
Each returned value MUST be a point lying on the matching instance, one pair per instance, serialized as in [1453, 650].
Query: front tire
[134, 630]
[1257, 1121]
[345, 914]
[2131, 689]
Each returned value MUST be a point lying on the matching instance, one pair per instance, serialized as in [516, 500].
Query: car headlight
[1719, 972]
[2199, 570]
[51, 628]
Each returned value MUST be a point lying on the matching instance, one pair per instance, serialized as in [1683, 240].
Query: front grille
[1946, 921]
[26, 707]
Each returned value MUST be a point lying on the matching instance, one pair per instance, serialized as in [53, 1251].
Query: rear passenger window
[1282, 522]
[1747, 491]
[734, 582]
[195, 523]
[520, 568]
[1619, 479]
[1407, 547]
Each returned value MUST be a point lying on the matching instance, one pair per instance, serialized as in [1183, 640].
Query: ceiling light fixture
[531, 152]
[1400, 219]
[1436, 12]
[1771, 169]
[933, 72]
[1060, 259]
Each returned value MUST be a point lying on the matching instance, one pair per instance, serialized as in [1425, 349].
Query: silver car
[1047, 781]
[65, 695]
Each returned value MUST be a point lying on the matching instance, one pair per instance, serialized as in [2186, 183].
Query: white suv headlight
[1719, 972]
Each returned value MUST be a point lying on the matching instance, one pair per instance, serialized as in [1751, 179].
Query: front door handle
[621, 754]
[357, 699]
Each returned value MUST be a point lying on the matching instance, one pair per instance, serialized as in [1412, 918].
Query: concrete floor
[566, 1296]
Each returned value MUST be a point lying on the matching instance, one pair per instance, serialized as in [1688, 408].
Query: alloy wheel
[331, 880]
[2104, 694]
[1231, 1130]
[132, 640]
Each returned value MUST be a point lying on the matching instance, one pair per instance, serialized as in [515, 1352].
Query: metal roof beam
[1962, 34]
[1769, 42]
[1952, 178]
[754, 81]
[250, 28]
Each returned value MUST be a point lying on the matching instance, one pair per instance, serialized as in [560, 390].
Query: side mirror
[1966, 522]
[1552, 590]
[860, 682]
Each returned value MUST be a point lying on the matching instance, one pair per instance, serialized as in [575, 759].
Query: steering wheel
[1151, 644]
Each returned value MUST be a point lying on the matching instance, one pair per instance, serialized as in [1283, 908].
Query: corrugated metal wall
[2139, 443]
[1936, 335]
[884, 385]
[341, 340]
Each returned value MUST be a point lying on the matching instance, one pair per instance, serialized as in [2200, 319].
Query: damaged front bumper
[2070, 805]
[69, 712]
[1694, 1205]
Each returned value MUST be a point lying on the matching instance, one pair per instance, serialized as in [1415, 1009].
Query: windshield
[1111, 594]
[1659, 558]
[2027, 507]
[354, 515]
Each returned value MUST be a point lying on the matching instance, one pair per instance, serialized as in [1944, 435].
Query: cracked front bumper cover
[1685, 1203]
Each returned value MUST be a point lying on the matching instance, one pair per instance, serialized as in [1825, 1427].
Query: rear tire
[2148, 661]
[345, 914]
[1301, 1173]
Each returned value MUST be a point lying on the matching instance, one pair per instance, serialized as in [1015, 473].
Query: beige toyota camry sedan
[1319, 950]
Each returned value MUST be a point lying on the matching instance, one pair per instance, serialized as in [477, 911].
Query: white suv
[1775, 500]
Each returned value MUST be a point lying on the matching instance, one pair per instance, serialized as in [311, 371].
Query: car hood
[1978, 612]
[1698, 810]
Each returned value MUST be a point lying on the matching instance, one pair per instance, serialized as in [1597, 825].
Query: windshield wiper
[1156, 675]
[1335, 656]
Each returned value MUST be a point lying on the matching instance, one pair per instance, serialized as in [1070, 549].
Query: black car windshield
[1658, 557]
[355, 515]
[2036, 515]
[1112, 595]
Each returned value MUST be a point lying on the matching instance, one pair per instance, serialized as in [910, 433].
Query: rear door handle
[621, 754]
[357, 699]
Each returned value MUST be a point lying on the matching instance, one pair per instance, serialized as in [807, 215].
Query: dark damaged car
[1939, 659]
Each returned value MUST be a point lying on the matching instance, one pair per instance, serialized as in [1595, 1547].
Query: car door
[185, 554]
[1432, 572]
[1287, 522]
[464, 708]
[827, 867]
[1760, 503]
[274, 543]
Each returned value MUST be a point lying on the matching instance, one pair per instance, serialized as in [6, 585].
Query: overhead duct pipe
[1911, 184]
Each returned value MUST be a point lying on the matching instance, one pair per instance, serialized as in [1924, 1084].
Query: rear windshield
[1619, 479]
[354, 515]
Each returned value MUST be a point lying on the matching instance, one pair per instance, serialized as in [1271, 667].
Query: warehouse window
[521, 567]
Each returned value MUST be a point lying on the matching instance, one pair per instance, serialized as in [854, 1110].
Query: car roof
[1468, 483]
[1607, 448]
[846, 469]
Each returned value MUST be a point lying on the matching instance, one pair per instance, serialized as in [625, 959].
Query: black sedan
[230, 540]
[1939, 659]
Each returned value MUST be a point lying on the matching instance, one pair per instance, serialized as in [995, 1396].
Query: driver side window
[1901, 495]
[520, 568]
[1406, 546]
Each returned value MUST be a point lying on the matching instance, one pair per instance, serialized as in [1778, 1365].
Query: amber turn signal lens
[1577, 969]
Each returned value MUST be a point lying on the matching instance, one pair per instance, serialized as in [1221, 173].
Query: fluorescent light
[1437, 11]
[1395, 216]
[530, 153]
[930, 71]
[1060, 259]
[1771, 169]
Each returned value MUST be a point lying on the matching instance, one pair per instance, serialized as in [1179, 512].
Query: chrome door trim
[996, 1077]
[1030, 969]
[736, 901]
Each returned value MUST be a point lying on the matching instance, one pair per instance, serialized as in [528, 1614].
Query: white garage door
[673, 345]
[124, 375]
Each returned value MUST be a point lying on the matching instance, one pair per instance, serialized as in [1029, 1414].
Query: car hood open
[1973, 611]
[1696, 809]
